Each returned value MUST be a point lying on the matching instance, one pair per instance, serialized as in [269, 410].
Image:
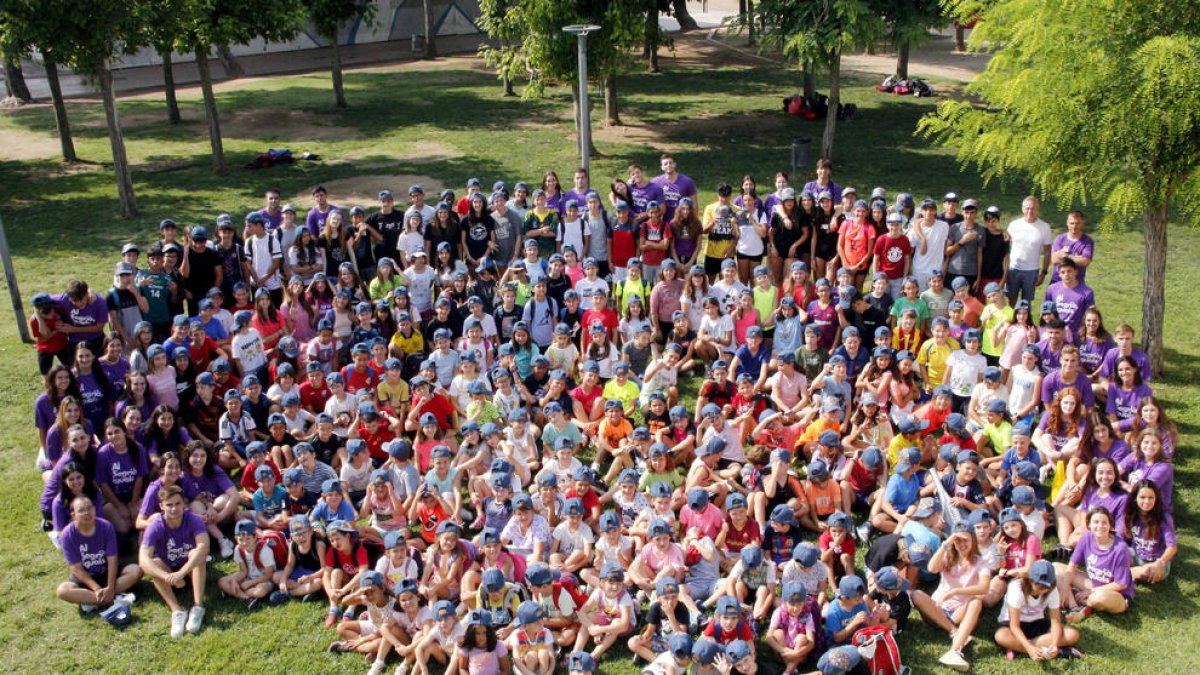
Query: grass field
[444, 124]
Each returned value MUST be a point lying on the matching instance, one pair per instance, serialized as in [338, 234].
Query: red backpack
[878, 649]
[278, 545]
[569, 584]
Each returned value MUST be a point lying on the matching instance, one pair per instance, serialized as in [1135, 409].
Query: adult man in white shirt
[928, 237]
[1029, 236]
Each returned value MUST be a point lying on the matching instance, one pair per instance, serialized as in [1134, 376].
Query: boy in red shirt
[893, 253]
[360, 375]
[376, 428]
[602, 314]
[51, 342]
[654, 241]
[314, 391]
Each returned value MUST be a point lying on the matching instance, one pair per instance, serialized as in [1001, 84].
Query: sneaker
[226, 548]
[331, 618]
[88, 609]
[864, 532]
[195, 619]
[339, 647]
[47, 524]
[377, 667]
[252, 603]
[308, 597]
[1070, 653]
[178, 619]
[954, 659]
[1078, 614]
[278, 597]
[125, 599]
[401, 669]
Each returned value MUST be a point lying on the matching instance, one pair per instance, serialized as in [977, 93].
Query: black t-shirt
[202, 271]
[485, 291]
[557, 288]
[957, 218]
[231, 268]
[302, 505]
[452, 324]
[883, 304]
[449, 234]
[506, 319]
[871, 318]
[899, 607]
[884, 551]
[537, 386]
[326, 450]
[391, 226]
[658, 618]
[995, 248]
[573, 320]
[478, 233]
[335, 255]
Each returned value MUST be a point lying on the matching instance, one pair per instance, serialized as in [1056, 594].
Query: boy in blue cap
[848, 612]
[667, 619]
[728, 624]
[531, 645]
[781, 535]
[256, 567]
[609, 612]
[792, 631]
[752, 579]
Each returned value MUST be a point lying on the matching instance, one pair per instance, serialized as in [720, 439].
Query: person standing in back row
[674, 186]
[927, 235]
[1030, 239]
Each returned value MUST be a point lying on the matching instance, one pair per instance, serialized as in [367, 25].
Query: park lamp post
[585, 118]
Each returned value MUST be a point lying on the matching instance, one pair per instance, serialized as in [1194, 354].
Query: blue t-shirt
[270, 506]
[837, 618]
[323, 515]
[751, 363]
[921, 539]
[902, 492]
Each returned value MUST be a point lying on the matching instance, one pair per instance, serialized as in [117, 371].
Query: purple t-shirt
[580, 197]
[1050, 358]
[644, 195]
[60, 511]
[119, 470]
[1124, 403]
[150, 499]
[91, 552]
[94, 402]
[315, 220]
[1071, 303]
[1117, 452]
[93, 317]
[673, 191]
[173, 544]
[1162, 474]
[1105, 567]
[1053, 383]
[205, 485]
[56, 442]
[1084, 248]
[833, 188]
[1114, 502]
[273, 221]
[1108, 368]
[1059, 435]
[44, 413]
[1149, 550]
[1091, 353]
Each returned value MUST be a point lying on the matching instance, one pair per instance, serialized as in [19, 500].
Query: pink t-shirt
[657, 560]
[1016, 555]
[481, 662]
[958, 576]
[740, 326]
[708, 521]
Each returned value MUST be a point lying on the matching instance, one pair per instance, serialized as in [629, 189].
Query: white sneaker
[226, 548]
[401, 669]
[178, 619]
[125, 599]
[88, 609]
[377, 667]
[195, 619]
[954, 659]
[1047, 474]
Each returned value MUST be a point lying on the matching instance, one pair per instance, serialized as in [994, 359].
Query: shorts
[700, 589]
[1138, 562]
[1035, 629]
[366, 628]
[658, 644]
[723, 463]
[298, 572]
[752, 258]
[712, 266]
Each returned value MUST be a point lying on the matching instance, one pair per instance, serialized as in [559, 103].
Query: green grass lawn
[448, 124]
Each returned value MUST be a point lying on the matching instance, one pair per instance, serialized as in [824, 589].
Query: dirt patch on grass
[26, 145]
[696, 133]
[364, 190]
[280, 124]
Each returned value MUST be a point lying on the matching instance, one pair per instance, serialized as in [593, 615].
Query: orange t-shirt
[823, 500]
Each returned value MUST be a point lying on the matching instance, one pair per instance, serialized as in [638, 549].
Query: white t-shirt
[967, 371]
[720, 327]
[247, 348]
[728, 294]
[420, 287]
[586, 288]
[409, 242]
[261, 252]
[935, 247]
[253, 570]
[1031, 608]
[572, 234]
[568, 541]
[1027, 242]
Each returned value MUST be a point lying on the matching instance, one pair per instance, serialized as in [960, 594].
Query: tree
[817, 32]
[1096, 101]
[14, 78]
[908, 24]
[27, 26]
[327, 16]
[204, 24]
[532, 38]
[430, 29]
[163, 32]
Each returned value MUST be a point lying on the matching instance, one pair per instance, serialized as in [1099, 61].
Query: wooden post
[14, 293]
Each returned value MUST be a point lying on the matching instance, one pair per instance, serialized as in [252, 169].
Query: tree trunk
[1154, 222]
[506, 83]
[810, 82]
[60, 109]
[210, 110]
[902, 61]
[14, 78]
[168, 69]
[652, 37]
[430, 29]
[120, 162]
[612, 116]
[335, 59]
[749, 22]
[233, 69]
[835, 97]
[960, 37]
[686, 22]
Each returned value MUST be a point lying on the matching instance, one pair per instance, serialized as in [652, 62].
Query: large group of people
[459, 425]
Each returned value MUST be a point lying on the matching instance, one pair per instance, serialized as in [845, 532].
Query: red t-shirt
[715, 393]
[312, 398]
[56, 343]
[376, 440]
[754, 405]
[586, 399]
[655, 233]
[825, 542]
[202, 353]
[891, 252]
[862, 480]
[743, 631]
[358, 380]
[248, 482]
[607, 317]
[967, 443]
[350, 564]
[623, 247]
[736, 540]
[439, 405]
[590, 501]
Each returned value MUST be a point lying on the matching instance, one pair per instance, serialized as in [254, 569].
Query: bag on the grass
[877, 646]
[118, 615]
[275, 541]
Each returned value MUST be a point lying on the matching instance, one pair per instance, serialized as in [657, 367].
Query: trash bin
[800, 146]
[418, 43]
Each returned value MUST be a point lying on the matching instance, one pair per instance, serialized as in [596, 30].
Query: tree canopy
[1097, 102]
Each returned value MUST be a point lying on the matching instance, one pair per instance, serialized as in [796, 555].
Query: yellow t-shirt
[627, 394]
[721, 239]
[414, 344]
[934, 356]
[899, 442]
[392, 395]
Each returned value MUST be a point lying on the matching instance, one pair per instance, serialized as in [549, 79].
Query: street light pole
[585, 114]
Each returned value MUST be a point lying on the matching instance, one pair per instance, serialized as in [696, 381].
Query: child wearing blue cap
[848, 612]
[257, 565]
[375, 634]
[728, 623]
[752, 580]
[531, 644]
[792, 631]
[441, 640]
[1031, 618]
[608, 614]
[301, 576]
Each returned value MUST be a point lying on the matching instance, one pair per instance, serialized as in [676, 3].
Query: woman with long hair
[1150, 530]
[685, 234]
[270, 323]
[1061, 430]
[334, 244]
[958, 601]
[70, 414]
[1151, 416]
[96, 393]
[304, 257]
[790, 231]
[297, 312]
